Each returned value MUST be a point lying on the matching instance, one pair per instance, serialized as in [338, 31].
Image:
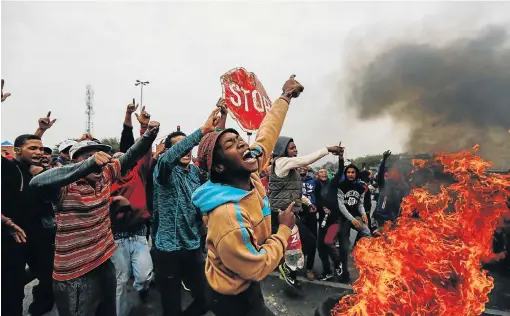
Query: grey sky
[51, 50]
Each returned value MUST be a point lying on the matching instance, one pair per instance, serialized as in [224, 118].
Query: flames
[429, 262]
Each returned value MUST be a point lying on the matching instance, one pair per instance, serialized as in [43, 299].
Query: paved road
[285, 302]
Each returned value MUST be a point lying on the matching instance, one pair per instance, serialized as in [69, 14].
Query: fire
[430, 261]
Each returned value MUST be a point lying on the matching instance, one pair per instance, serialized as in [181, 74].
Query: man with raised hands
[241, 247]
[84, 276]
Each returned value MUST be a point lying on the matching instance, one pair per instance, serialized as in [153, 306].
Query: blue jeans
[132, 256]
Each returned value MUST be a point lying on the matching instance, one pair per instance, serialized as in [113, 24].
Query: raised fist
[102, 158]
[153, 128]
[292, 87]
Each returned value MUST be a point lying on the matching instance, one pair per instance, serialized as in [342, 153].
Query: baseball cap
[66, 144]
[47, 150]
[87, 144]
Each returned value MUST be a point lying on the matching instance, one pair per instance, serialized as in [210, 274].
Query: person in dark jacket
[392, 189]
[328, 220]
[284, 188]
[25, 208]
[350, 202]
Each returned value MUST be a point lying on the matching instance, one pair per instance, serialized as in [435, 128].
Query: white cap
[87, 144]
[66, 144]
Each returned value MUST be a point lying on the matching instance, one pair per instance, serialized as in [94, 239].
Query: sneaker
[310, 275]
[345, 278]
[143, 295]
[326, 276]
[184, 287]
[286, 275]
[339, 270]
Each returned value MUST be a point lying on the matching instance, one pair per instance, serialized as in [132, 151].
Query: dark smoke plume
[452, 96]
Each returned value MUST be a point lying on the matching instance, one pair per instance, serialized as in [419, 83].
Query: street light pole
[141, 84]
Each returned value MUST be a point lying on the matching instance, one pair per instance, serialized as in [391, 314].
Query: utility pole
[141, 84]
[89, 95]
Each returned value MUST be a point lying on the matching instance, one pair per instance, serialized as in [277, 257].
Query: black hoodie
[351, 195]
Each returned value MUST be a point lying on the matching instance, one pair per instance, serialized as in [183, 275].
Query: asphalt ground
[283, 300]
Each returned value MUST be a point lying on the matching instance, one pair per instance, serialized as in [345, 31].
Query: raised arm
[44, 124]
[341, 165]
[271, 126]
[223, 110]
[172, 156]
[382, 167]
[126, 138]
[140, 148]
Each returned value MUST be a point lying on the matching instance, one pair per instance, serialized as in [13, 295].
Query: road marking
[325, 283]
[496, 312]
[338, 285]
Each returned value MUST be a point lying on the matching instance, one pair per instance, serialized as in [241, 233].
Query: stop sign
[246, 98]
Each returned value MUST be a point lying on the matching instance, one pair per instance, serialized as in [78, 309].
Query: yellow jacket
[240, 246]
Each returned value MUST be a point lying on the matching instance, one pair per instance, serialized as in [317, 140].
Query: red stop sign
[246, 98]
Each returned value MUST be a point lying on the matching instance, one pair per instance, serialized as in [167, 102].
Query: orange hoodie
[240, 246]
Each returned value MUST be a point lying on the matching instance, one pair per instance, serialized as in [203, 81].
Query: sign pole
[249, 136]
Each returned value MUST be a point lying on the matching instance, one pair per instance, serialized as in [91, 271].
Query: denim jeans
[131, 257]
[344, 234]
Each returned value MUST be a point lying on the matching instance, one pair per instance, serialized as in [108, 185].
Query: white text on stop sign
[253, 98]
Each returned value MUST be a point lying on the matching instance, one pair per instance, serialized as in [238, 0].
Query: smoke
[451, 96]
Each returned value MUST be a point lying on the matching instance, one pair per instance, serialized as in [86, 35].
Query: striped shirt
[84, 237]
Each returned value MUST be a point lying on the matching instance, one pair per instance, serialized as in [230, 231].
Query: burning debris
[430, 263]
[451, 97]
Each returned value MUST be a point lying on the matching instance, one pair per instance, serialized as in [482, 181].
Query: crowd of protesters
[88, 220]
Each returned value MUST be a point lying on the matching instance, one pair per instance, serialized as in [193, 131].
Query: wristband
[286, 97]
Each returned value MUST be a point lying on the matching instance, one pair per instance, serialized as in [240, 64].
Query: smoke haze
[451, 97]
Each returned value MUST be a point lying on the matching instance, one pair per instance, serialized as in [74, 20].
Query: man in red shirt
[84, 276]
[129, 218]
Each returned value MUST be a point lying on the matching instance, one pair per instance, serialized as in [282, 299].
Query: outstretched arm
[285, 164]
[140, 148]
[51, 181]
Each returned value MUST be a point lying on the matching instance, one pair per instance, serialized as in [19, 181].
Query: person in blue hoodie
[178, 255]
